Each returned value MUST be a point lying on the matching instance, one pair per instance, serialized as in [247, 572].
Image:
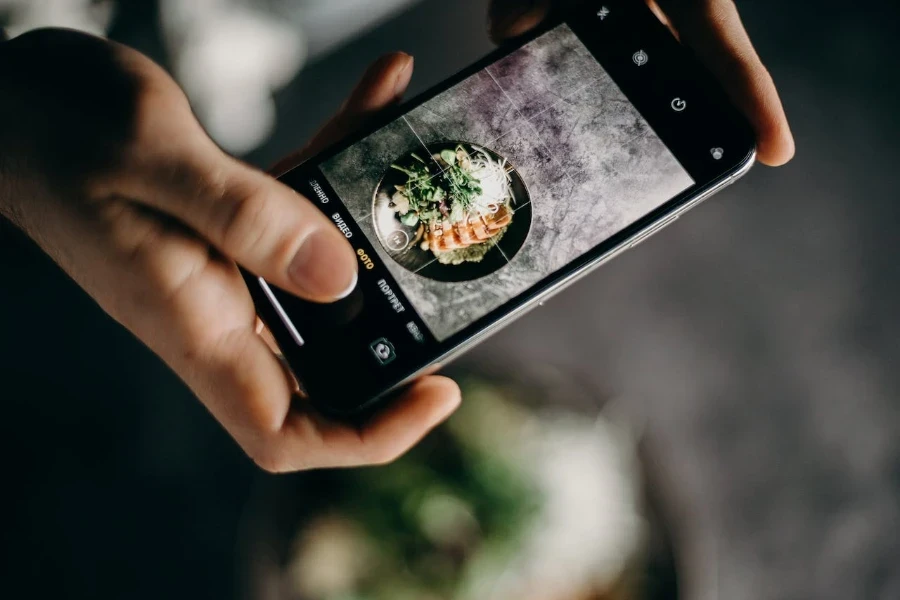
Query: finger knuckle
[160, 104]
[168, 266]
[254, 405]
[245, 220]
[210, 347]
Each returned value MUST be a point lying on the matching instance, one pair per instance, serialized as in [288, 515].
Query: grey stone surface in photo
[591, 163]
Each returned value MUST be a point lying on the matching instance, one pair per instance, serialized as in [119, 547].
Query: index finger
[713, 29]
[508, 19]
[258, 222]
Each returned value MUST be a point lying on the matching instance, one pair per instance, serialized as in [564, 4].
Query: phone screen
[468, 202]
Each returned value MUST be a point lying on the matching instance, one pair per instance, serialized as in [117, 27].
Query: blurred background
[735, 428]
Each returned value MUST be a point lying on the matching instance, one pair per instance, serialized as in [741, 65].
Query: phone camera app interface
[488, 188]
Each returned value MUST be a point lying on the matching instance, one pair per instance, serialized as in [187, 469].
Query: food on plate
[462, 211]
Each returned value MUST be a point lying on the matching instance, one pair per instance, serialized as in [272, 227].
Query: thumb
[258, 222]
[265, 226]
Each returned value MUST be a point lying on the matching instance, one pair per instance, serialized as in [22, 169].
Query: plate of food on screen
[457, 212]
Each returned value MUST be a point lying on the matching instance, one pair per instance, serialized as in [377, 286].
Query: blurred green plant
[446, 516]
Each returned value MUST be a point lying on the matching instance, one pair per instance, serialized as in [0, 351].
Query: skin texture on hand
[713, 30]
[104, 165]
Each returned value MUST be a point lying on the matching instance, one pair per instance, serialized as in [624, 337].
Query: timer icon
[678, 105]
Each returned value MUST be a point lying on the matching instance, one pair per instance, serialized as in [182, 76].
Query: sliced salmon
[466, 234]
[443, 236]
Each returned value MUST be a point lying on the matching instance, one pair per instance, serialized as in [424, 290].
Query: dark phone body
[353, 353]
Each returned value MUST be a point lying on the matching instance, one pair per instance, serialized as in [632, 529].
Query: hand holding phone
[103, 164]
[505, 184]
[93, 169]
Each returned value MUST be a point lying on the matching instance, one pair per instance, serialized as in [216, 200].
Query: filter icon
[640, 58]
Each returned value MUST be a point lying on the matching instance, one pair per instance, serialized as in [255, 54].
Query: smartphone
[480, 199]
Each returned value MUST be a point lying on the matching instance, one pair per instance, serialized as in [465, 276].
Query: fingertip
[430, 402]
[509, 30]
[354, 280]
[384, 81]
[324, 268]
[718, 36]
[508, 19]
[443, 392]
[377, 69]
[775, 158]
[404, 76]
[777, 150]
[314, 441]
[392, 63]
[425, 405]
[765, 109]
[242, 383]
[775, 142]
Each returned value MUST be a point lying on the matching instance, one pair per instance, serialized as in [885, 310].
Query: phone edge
[633, 241]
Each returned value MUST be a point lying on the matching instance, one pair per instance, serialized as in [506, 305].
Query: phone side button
[282, 314]
[653, 230]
